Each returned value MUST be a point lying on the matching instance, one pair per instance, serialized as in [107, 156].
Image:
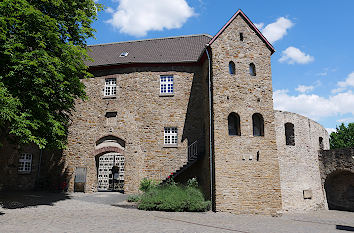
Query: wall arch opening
[110, 141]
[339, 187]
[110, 163]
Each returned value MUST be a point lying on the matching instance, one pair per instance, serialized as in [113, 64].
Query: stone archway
[109, 153]
[339, 187]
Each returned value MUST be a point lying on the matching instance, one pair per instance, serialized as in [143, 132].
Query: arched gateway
[339, 187]
[110, 163]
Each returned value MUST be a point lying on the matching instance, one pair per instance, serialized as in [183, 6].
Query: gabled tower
[245, 157]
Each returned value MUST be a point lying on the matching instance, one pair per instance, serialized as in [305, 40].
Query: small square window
[110, 87]
[170, 136]
[25, 163]
[166, 85]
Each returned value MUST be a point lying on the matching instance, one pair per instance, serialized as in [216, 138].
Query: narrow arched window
[258, 124]
[241, 36]
[252, 69]
[320, 141]
[234, 124]
[231, 67]
[289, 134]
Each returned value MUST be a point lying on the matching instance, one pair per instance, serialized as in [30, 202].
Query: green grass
[172, 197]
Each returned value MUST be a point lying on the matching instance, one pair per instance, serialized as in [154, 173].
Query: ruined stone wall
[299, 166]
[10, 177]
[142, 115]
[337, 176]
[243, 184]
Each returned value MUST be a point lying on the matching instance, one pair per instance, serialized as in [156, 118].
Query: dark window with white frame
[110, 87]
[166, 85]
[25, 163]
[289, 134]
[170, 136]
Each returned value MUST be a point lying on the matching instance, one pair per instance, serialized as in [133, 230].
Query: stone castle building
[187, 106]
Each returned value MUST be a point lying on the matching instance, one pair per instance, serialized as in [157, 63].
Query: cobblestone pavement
[108, 212]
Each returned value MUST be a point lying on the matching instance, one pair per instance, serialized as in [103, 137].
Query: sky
[312, 68]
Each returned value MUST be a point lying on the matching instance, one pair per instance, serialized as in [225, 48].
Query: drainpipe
[210, 126]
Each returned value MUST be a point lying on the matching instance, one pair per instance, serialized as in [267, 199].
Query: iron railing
[193, 151]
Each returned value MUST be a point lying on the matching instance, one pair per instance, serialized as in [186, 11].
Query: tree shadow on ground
[17, 200]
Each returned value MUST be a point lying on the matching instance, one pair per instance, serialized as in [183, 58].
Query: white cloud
[137, 17]
[259, 25]
[330, 130]
[277, 30]
[349, 82]
[109, 10]
[303, 88]
[343, 85]
[325, 73]
[346, 120]
[314, 106]
[293, 55]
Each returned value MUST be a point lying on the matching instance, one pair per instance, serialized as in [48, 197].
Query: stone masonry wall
[142, 115]
[243, 184]
[10, 178]
[337, 176]
[299, 166]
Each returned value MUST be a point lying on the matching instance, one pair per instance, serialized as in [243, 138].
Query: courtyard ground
[109, 212]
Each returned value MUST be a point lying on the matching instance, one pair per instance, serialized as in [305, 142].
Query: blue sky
[313, 66]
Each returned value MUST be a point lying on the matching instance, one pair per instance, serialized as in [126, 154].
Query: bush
[172, 197]
[134, 198]
[147, 184]
[192, 182]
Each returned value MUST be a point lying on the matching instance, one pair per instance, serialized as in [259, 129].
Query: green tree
[42, 53]
[343, 138]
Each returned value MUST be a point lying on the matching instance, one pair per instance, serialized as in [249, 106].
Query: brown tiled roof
[162, 50]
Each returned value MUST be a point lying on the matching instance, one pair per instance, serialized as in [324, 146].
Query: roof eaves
[142, 63]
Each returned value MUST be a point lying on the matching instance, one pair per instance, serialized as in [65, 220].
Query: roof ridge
[252, 26]
[162, 38]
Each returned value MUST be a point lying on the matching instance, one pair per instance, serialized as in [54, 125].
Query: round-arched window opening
[252, 69]
[234, 124]
[258, 124]
[289, 134]
[232, 67]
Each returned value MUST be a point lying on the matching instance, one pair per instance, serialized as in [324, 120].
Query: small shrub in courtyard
[134, 198]
[147, 184]
[174, 197]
